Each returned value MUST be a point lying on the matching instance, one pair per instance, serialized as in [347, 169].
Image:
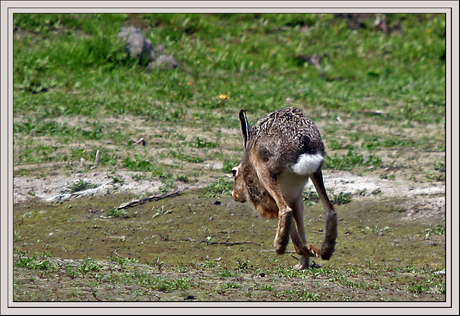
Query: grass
[253, 59]
[232, 282]
[378, 100]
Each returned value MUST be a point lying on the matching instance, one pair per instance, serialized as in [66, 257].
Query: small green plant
[122, 261]
[70, 271]
[418, 288]
[265, 287]
[182, 178]
[117, 180]
[310, 197]
[244, 264]
[157, 263]
[89, 265]
[375, 230]
[231, 285]
[168, 184]
[431, 230]
[342, 198]
[185, 157]
[222, 187]
[201, 143]
[138, 177]
[138, 164]
[115, 212]
[161, 211]
[80, 185]
[22, 260]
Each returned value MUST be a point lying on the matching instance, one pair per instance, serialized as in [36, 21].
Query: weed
[139, 165]
[375, 230]
[431, 230]
[222, 187]
[122, 261]
[138, 177]
[89, 265]
[161, 211]
[201, 143]
[168, 184]
[310, 197]
[23, 261]
[182, 178]
[244, 264]
[117, 180]
[342, 198]
[115, 212]
[80, 185]
[157, 263]
[418, 288]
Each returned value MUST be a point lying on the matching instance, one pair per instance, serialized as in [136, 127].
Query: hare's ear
[245, 128]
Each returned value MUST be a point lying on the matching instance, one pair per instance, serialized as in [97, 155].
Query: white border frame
[450, 8]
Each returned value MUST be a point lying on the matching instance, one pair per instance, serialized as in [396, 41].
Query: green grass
[123, 278]
[251, 58]
[219, 188]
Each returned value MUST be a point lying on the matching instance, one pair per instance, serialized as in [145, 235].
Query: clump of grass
[115, 212]
[89, 265]
[122, 260]
[434, 230]
[310, 197]
[81, 185]
[222, 187]
[23, 260]
[138, 164]
[342, 198]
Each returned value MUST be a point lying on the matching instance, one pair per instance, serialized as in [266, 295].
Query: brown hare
[281, 152]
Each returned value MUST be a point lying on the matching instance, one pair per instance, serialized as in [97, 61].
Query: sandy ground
[421, 199]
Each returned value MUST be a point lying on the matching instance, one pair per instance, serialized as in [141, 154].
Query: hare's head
[239, 188]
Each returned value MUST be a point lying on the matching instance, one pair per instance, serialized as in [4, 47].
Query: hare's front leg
[285, 220]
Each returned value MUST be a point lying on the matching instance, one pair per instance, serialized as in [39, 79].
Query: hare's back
[287, 131]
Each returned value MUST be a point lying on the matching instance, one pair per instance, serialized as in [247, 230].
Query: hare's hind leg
[299, 239]
[331, 217]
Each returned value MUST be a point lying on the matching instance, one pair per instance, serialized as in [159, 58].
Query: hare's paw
[304, 263]
[281, 244]
[313, 250]
[327, 249]
[309, 250]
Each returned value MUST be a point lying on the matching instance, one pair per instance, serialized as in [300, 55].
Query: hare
[281, 152]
